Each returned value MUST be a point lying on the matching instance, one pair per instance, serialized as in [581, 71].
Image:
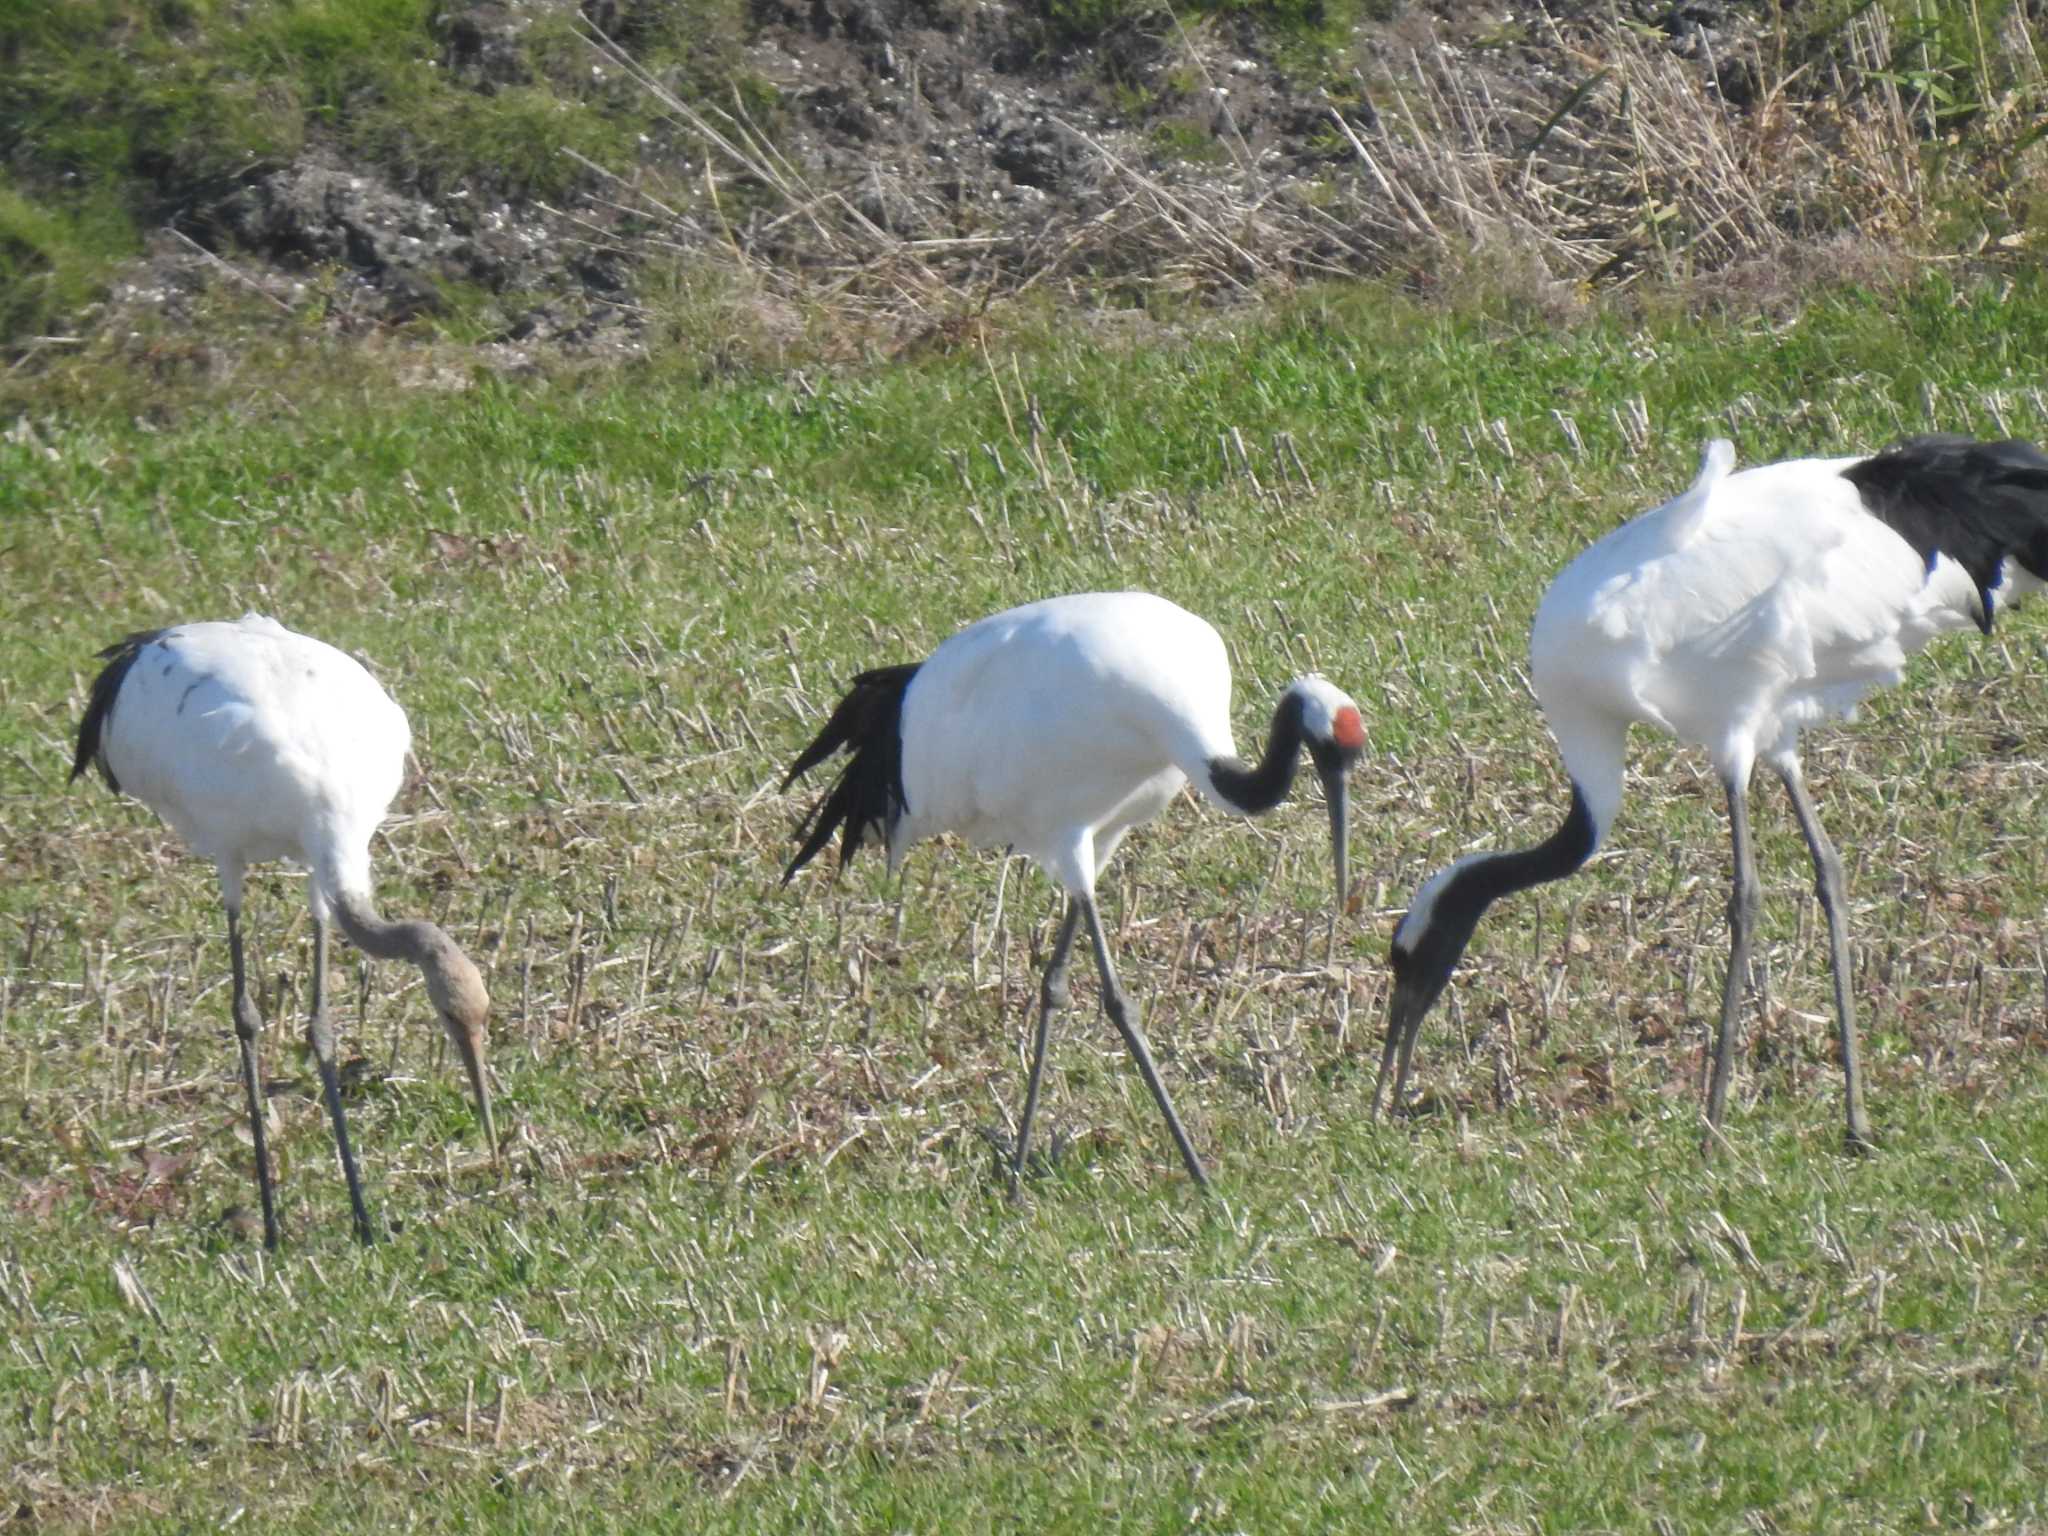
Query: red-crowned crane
[1053, 729]
[253, 742]
[1733, 616]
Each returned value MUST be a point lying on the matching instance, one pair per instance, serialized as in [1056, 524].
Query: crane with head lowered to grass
[1053, 729]
[253, 742]
[1733, 617]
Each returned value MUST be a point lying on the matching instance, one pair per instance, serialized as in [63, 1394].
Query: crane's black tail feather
[1978, 503]
[869, 790]
[119, 657]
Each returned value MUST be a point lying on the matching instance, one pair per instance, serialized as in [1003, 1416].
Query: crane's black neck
[1446, 926]
[1555, 857]
[1256, 789]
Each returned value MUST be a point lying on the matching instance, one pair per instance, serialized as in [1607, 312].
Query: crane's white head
[1334, 732]
[1329, 715]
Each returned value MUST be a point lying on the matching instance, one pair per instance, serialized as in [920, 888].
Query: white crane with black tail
[1053, 729]
[253, 742]
[1732, 617]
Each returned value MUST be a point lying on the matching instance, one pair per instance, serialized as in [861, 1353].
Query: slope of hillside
[518, 172]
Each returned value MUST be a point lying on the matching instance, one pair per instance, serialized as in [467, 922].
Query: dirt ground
[929, 155]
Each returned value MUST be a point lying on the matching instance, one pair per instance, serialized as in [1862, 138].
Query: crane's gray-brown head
[1431, 938]
[1334, 732]
[464, 1008]
[453, 985]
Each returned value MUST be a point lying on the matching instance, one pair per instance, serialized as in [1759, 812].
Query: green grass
[747, 1261]
[121, 116]
[186, 94]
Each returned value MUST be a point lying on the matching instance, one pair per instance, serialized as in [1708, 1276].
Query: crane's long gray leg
[321, 1035]
[248, 1025]
[1052, 996]
[1119, 1010]
[1743, 900]
[1827, 883]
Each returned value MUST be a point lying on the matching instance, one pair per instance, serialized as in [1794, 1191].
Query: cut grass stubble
[753, 1254]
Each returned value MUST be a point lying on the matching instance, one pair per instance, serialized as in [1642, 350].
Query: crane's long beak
[1415, 993]
[1402, 1013]
[472, 1051]
[1338, 797]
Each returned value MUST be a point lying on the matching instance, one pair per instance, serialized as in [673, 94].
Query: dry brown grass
[750, 1258]
[1585, 155]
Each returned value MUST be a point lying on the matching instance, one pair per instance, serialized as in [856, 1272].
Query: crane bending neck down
[1052, 729]
[253, 742]
[1745, 609]
[454, 986]
[1312, 714]
[1441, 920]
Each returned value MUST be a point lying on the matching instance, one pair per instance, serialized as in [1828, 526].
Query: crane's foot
[1713, 1139]
[1044, 1158]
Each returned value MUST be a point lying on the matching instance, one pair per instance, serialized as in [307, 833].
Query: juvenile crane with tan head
[253, 742]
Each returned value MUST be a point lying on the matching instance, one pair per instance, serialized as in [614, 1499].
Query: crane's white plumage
[1088, 714]
[253, 742]
[1053, 729]
[1120, 694]
[1736, 615]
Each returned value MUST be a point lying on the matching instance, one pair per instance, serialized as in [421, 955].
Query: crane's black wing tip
[99, 704]
[1978, 502]
[868, 794]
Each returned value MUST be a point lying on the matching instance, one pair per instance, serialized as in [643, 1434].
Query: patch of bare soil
[916, 159]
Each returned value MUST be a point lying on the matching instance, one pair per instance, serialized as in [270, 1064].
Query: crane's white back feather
[1057, 726]
[254, 742]
[1679, 519]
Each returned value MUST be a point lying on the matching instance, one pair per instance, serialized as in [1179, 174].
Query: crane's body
[253, 742]
[1733, 617]
[1755, 605]
[1130, 697]
[1053, 729]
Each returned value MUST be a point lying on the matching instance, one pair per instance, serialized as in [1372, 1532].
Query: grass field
[748, 1266]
